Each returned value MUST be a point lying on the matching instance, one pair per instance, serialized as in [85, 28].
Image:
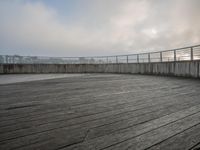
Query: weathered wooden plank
[62, 124]
[64, 112]
[130, 122]
[113, 116]
[183, 141]
[38, 100]
[132, 132]
[95, 112]
[101, 142]
[42, 109]
[196, 147]
[155, 136]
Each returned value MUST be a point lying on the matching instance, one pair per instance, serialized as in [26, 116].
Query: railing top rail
[144, 53]
[188, 53]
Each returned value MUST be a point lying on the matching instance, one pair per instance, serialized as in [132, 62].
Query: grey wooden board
[134, 131]
[183, 141]
[196, 147]
[107, 117]
[100, 111]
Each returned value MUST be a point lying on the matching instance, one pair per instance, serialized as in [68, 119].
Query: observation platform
[101, 111]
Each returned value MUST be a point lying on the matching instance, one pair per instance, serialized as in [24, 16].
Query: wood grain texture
[101, 111]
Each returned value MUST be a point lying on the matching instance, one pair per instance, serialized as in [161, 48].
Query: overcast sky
[97, 27]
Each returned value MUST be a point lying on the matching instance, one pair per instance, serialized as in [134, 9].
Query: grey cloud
[104, 28]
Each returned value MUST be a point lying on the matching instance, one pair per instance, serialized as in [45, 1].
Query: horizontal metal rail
[190, 53]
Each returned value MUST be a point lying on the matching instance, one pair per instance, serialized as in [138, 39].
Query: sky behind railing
[96, 27]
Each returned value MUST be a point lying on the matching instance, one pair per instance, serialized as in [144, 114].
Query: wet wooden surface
[101, 111]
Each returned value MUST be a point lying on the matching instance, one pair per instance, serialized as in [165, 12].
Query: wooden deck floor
[101, 111]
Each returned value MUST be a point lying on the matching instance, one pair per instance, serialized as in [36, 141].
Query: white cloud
[120, 27]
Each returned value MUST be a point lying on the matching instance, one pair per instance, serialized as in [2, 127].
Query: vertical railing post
[13, 59]
[93, 60]
[174, 55]
[192, 56]
[107, 59]
[6, 59]
[161, 59]
[149, 58]
[116, 60]
[127, 59]
[138, 58]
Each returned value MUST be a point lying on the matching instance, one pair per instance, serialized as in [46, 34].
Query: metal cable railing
[180, 54]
